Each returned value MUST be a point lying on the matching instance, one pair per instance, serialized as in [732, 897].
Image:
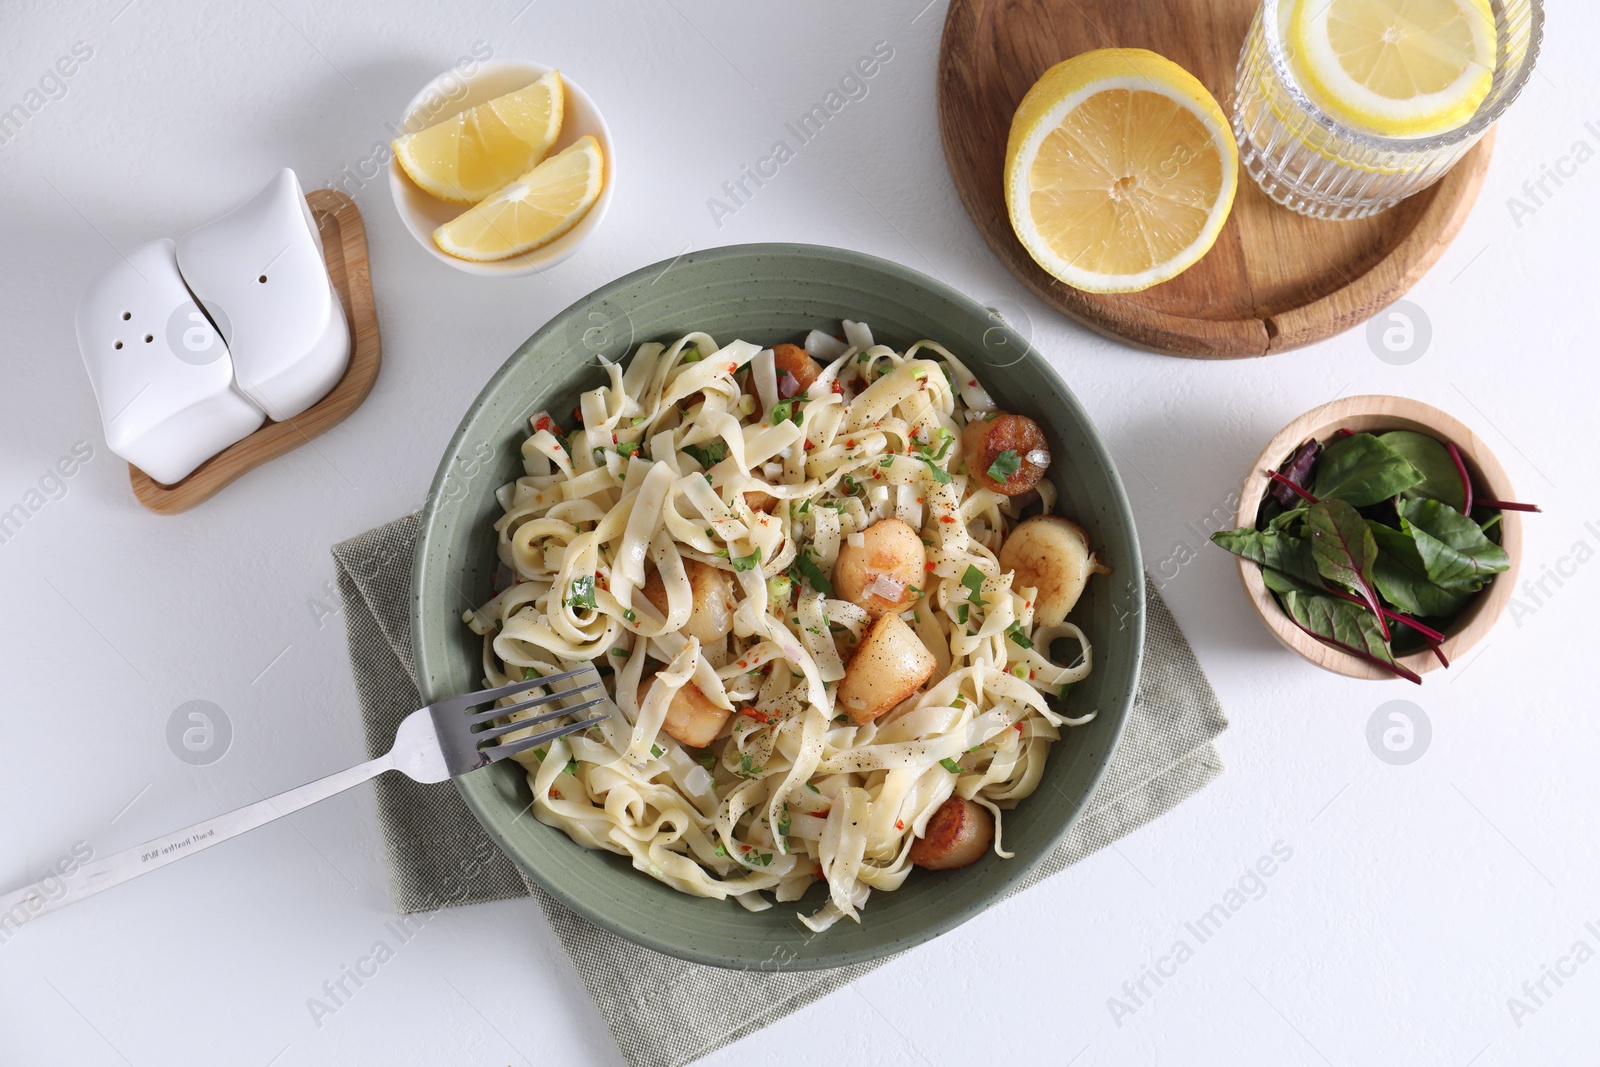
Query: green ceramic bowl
[770, 293]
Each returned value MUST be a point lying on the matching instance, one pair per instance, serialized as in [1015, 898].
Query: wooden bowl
[1379, 414]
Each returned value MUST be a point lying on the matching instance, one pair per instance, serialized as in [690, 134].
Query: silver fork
[444, 740]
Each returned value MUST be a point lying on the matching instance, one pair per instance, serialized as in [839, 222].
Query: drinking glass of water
[1343, 108]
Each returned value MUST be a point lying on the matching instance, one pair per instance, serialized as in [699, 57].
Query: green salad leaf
[1345, 551]
[1440, 481]
[1272, 550]
[1454, 550]
[1362, 470]
[1403, 579]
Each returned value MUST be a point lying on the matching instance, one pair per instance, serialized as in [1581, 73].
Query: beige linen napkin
[439, 857]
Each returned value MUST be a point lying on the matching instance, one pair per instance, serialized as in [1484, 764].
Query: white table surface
[1417, 900]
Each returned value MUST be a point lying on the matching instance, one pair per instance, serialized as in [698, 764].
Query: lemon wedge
[1399, 68]
[1120, 170]
[469, 156]
[532, 211]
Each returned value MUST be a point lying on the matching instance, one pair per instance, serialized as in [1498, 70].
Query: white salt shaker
[161, 374]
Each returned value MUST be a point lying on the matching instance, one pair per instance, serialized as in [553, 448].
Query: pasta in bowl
[806, 579]
[794, 637]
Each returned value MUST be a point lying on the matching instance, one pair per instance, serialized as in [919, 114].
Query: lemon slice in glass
[532, 211]
[1398, 68]
[469, 156]
[1120, 170]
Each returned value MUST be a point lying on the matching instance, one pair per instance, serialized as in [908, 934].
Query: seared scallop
[711, 617]
[1005, 453]
[890, 664]
[958, 834]
[1051, 555]
[882, 573]
[691, 719]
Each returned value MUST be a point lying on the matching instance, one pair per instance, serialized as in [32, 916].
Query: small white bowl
[452, 93]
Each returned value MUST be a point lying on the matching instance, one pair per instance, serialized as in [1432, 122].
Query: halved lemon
[532, 211]
[1120, 170]
[1399, 68]
[471, 155]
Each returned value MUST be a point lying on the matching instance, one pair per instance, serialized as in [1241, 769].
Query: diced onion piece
[886, 586]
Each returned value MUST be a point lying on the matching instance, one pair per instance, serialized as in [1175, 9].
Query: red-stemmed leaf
[1345, 551]
[1347, 627]
[1296, 473]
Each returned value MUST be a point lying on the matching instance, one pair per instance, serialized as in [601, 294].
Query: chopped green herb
[747, 767]
[962, 611]
[529, 674]
[571, 767]
[720, 851]
[657, 751]
[946, 439]
[707, 455]
[886, 461]
[861, 357]
[973, 580]
[788, 409]
[938, 474]
[851, 486]
[783, 822]
[692, 354]
[619, 652]
[1014, 631]
[627, 613]
[807, 568]
[760, 859]
[991, 416]
[1005, 465]
[951, 765]
[813, 788]
[541, 753]
[744, 563]
[581, 593]
[1066, 687]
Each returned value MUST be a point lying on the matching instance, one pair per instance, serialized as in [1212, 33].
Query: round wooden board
[1274, 280]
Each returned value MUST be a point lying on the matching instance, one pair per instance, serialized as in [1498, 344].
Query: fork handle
[35, 900]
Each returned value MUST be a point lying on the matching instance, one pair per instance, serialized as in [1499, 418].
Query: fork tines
[487, 696]
[471, 711]
[522, 744]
